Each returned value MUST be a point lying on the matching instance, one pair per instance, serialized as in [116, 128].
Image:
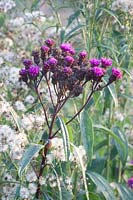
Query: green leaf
[97, 165]
[2, 19]
[108, 131]
[35, 4]
[73, 17]
[123, 152]
[82, 169]
[65, 138]
[112, 91]
[73, 31]
[102, 185]
[110, 12]
[87, 134]
[28, 155]
[124, 192]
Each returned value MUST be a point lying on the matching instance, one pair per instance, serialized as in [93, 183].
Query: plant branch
[37, 92]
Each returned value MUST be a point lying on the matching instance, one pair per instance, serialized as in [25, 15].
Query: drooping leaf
[97, 165]
[112, 91]
[124, 192]
[123, 152]
[102, 185]
[73, 17]
[110, 132]
[65, 138]
[87, 134]
[82, 169]
[28, 155]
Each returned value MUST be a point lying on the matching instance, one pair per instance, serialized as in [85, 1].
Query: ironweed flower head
[94, 62]
[52, 61]
[116, 73]
[27, 63]
[45, 49]
[97, 72]
[50, 42]
[67, 70]
[106, 62]
[130, 182]
[33, 72]
[69, 60]
[83, 54]
[67, 47]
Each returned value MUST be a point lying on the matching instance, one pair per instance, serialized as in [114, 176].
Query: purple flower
[69, 60]
[27, 62]
[116, 73]
[46, 67]
[98, 72]
[23, 72]
[106, 62]
[67, 70]
[45, 49]
[131, 162]
[52, 61]
[50, 42]
[67, 47]
[130, 182]
[83, 54]
[94, 62]
[33, 71]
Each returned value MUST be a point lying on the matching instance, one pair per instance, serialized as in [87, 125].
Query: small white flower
[20, 106]
[32, 188]
[24, 193]
[29, 99]
[31, 176]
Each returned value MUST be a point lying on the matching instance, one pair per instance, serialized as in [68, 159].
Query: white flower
[6, 5]
[31, 176]
[24, 193]
[29, 99]
[42, 180]
[58, 149]
[20, 106]
[32, 188]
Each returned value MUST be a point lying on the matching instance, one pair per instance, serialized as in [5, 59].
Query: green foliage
[87, 134]
[28, 155]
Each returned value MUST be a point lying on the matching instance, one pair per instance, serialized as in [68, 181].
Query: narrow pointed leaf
[87, 134]
[102, 185]
[124, 192]
[65, 138]
[123, 152]
[28, 155]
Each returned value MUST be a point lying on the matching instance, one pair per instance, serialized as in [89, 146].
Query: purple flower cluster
[66, 71]
[130, 182]
[67, 47]
[103, 62]
[30, 71]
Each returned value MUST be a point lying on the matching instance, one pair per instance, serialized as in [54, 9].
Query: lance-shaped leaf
[87, 134]
[30, 152]
[123, 152]
[65, 138]
[102, 185]
[124, 192]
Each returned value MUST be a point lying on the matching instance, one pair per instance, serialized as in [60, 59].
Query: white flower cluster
[124, 5]
[25, 192]
[8, 190]
[6, 5]
[32, 121]
[10, 76]
[10, 140]
[59, 153]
